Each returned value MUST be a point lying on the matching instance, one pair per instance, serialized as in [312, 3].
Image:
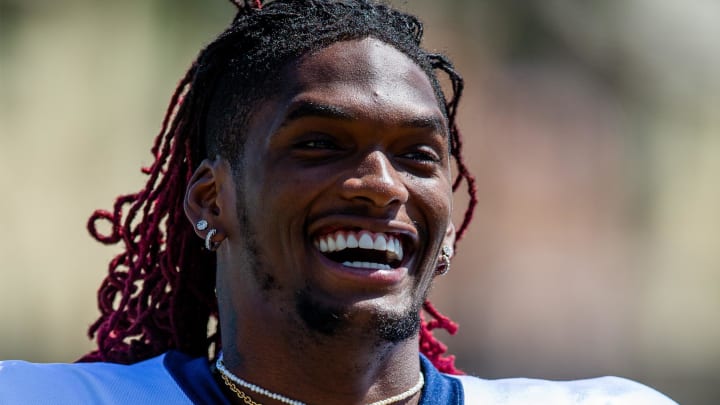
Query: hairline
[265, 89]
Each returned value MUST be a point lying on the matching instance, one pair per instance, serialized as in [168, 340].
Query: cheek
[284, 196]
[286, 189]
[434, 198]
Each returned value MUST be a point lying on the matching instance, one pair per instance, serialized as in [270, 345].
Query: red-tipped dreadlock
[159, 292]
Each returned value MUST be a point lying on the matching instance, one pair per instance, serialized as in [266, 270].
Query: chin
[376, 322]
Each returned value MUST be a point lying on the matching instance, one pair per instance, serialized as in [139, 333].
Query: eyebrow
[311, 109]
[430, 122]
[305, 109]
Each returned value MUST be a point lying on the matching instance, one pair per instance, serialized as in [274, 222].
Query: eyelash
[418, 155]
[316, 144]
[422, 156]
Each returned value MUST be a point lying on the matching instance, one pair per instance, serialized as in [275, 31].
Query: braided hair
[159, 291]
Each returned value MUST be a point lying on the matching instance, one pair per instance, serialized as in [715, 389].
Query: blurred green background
[592, 126]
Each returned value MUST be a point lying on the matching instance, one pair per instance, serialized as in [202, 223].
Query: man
[310, 149]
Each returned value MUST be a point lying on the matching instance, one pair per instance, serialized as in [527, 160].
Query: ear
[446, 251]
[449, 239]
[209, 196]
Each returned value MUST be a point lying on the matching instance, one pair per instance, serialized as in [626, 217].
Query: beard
[331, 321]
[326, 319]
[323, 318]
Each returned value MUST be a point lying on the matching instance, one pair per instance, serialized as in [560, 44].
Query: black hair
[159, 294]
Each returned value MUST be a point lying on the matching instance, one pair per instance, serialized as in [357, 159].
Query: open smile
[362, 249]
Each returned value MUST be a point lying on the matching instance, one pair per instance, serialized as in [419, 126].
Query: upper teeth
[341, 240]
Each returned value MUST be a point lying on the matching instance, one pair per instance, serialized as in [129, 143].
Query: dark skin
[355, 140]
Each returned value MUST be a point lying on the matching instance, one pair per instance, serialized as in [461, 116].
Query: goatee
[330, 321]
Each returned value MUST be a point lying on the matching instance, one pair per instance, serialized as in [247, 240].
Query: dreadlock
[159, 292]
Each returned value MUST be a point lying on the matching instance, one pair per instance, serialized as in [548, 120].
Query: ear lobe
[449, 239]
[446, 251]
[203, 199]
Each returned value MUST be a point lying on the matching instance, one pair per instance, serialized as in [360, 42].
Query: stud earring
[444, 264]
[209, 243]
[201, 225]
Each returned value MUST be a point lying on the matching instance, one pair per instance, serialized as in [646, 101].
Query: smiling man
[302, 197]
[330, 233]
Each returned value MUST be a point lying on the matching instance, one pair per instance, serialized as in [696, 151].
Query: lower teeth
[367, 265]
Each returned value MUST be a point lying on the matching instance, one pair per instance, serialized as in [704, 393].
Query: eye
[316, 144]
[422, 154]
[317, 148]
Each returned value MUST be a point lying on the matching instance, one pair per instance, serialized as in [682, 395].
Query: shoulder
[107, 383]
[603, 390]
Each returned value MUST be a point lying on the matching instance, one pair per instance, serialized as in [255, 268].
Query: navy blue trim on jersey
[193, 376]
[439, 388]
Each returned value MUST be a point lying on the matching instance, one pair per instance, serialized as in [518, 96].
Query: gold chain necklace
[245, 397]
[231, 380]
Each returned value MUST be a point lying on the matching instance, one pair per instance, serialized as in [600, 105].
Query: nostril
[376, 181]
[377, 196]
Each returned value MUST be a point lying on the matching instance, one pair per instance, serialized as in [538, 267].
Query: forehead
[366, 75]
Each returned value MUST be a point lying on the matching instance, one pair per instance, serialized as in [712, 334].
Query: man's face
[344, 192]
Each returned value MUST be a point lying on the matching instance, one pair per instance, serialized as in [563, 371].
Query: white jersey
[526, 391]
[175, 378]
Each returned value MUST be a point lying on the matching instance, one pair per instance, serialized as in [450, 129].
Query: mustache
[358, 210]
[362, 210]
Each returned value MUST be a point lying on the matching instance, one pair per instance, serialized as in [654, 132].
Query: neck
[299, 364]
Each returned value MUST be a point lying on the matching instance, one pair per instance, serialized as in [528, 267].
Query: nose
[376, 181]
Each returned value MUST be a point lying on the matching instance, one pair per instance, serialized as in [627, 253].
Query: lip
[366, 277]
[407, 234]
